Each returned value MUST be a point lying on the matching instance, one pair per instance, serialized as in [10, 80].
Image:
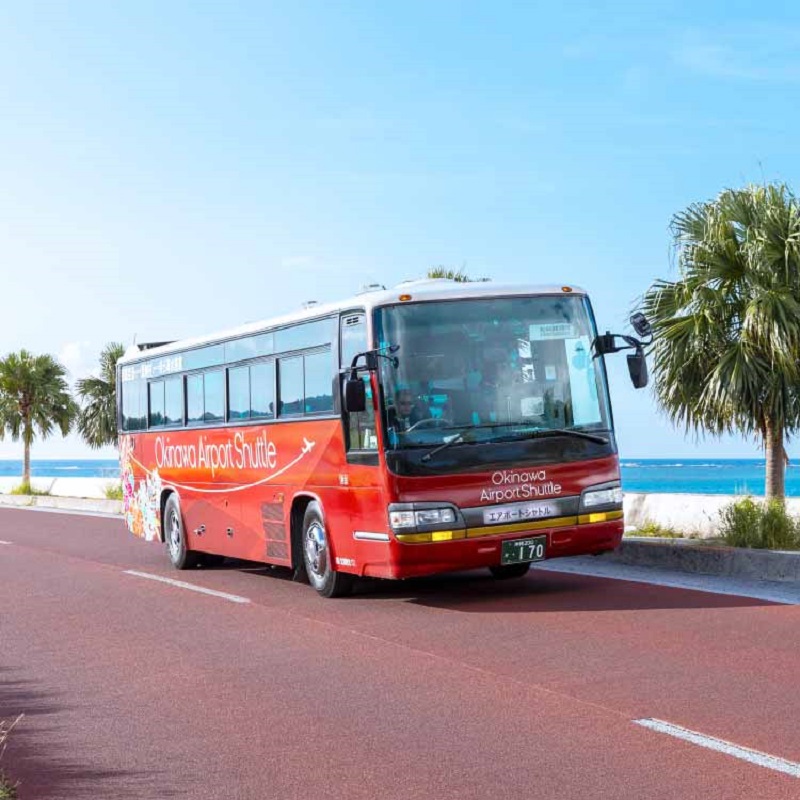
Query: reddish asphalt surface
[455, 687]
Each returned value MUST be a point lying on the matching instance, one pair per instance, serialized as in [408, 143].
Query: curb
[693, 556]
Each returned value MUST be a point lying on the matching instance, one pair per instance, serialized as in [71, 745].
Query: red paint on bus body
[237, 486]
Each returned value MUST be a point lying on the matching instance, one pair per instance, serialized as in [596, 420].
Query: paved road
[457, 687]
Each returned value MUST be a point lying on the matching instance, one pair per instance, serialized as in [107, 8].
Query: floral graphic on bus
[140, 505]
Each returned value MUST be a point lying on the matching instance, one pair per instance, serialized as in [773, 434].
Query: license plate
[523, 551]
[520, 512]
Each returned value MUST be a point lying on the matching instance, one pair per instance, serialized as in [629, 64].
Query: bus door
[360, 480]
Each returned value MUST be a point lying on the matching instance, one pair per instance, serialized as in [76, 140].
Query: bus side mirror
[637, 367]
[355, 395]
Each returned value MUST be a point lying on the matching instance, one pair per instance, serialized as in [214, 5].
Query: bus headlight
[601, 496]
[403, 520]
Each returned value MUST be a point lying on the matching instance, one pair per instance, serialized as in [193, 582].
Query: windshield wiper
[538, 433]
[544, 433]
[457, 439]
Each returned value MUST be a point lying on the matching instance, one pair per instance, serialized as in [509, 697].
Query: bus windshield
[490, 370]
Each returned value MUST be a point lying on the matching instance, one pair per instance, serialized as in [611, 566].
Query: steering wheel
[430, 422]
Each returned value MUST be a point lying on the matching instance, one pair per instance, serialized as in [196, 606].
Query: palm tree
[727, 343]
[34, 397]
[458, 275]
[97, 420]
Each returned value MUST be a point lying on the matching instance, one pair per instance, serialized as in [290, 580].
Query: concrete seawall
[64, 487]
[86, 495]
[696, 514]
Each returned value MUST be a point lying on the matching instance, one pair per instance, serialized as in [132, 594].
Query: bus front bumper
[476, 548]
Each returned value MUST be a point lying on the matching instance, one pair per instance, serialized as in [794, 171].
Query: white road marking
[233, 598]
[720, 745]
[787, 592]
[2, 542]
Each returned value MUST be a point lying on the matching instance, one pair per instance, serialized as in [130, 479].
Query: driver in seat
[406, 412]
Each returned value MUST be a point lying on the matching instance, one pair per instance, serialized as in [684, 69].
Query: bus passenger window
[214, 396]
[239, 393]
[173, 401]
[194, 398]
[262, 391]
[318, 383]
[156, 404]
[290, 377]
[134, 405]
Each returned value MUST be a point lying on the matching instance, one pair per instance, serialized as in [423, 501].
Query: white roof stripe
[421, 291]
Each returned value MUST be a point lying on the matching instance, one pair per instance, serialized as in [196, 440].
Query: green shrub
[26, 488]
[746, 523]
[113, 491]
[8, 790]
[650, 528]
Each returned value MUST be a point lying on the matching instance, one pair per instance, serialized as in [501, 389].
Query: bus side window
[360, 431]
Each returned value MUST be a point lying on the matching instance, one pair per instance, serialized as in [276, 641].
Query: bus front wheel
[317, 556]
[175, 538]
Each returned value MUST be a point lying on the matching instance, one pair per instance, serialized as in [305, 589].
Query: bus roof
[420, 291]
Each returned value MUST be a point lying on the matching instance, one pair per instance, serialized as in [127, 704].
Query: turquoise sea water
[670, 475]
[79, 468]
[702, 476]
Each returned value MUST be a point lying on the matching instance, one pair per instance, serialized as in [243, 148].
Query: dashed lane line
[233, 598]
[2, 542]
[721, 746]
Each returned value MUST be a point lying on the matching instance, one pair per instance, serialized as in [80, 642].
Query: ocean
[663, 475]
[78, 468]
[702, 476]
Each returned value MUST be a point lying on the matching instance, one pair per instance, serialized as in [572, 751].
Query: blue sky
[169, 169]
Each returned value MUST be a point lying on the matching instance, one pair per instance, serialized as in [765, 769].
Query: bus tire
[175, 537]
[317, 556]
[505, 572]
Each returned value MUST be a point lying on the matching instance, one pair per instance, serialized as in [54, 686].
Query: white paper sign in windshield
[552, 330]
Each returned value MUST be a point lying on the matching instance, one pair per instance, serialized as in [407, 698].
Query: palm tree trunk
[26, 464]
[776, 461]
[26, 459]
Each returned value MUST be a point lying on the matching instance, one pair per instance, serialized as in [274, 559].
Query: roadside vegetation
[651, 528]
[726, 351]
[97, 418]
[8, 788]
[767, 525]
[458, 275]
[34, 400]
[113, 491]
[27, 489]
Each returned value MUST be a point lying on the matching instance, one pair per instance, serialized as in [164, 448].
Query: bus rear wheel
[175, 538]
[507, 571]
[317, 556]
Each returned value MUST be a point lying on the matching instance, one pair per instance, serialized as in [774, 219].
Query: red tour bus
[439, 426]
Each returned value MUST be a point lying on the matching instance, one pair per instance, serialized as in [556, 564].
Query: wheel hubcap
[174, 534]
[316, 549]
